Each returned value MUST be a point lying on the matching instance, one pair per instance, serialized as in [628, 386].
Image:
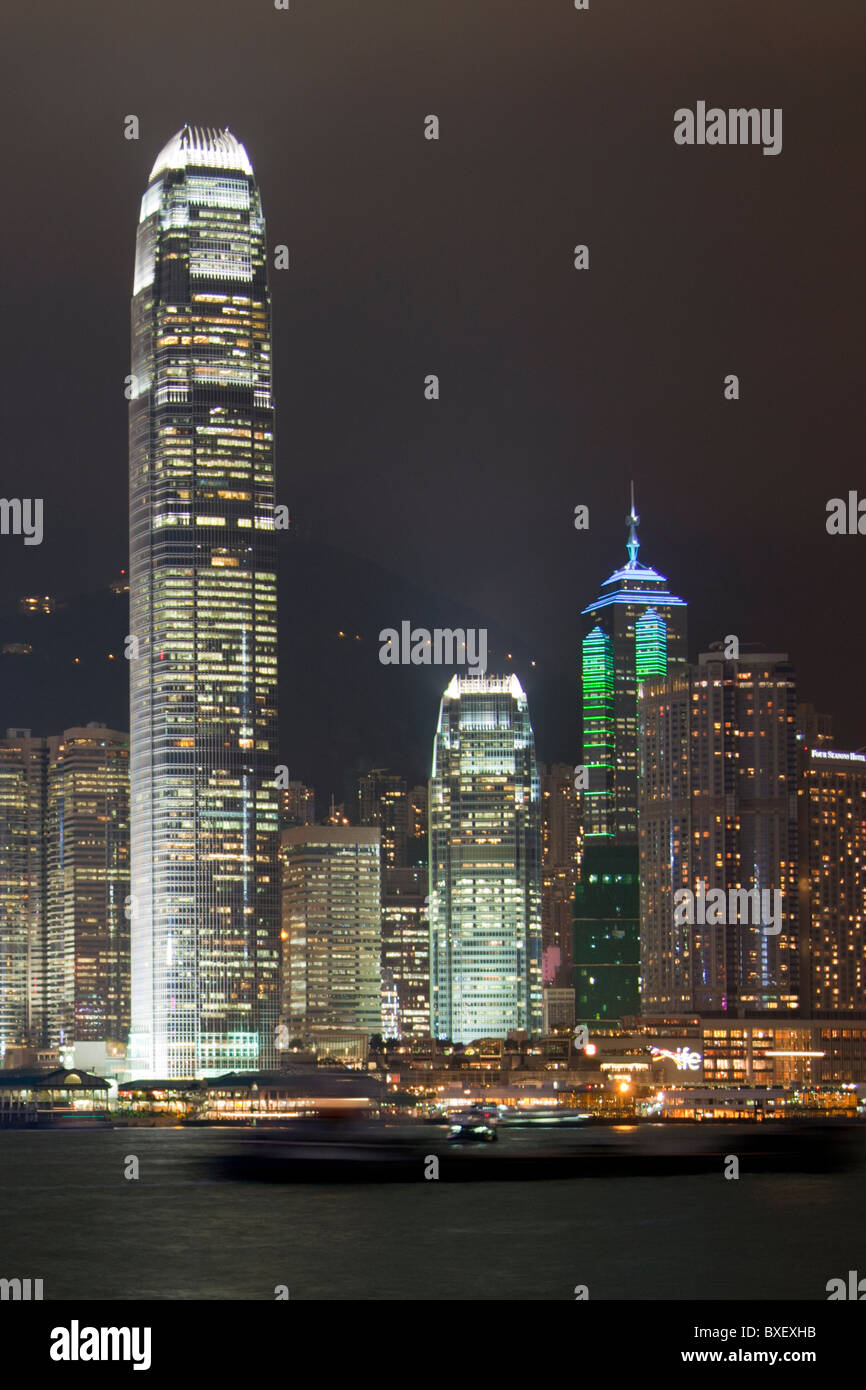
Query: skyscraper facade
[64, 885]
[635, 631]
[606, 965]
[203, 668]
[718, 781]
[332, 931]
[559, 850]
[23, 764]
[381, 800]
[297, 805]
[485, 863]
[417, 813]
[832, 839]
[86, 970]
[405, 954]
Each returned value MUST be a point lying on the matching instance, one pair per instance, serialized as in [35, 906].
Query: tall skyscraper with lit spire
[635, 631]
[204, 901]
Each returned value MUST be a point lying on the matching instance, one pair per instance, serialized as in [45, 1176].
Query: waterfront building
[718, 815]
[331, 932]
[485, 863]
[558, 1014]
[203, 604]
[86, 961]
[405, 954]
[559, 850]
[832, 879]
[606, 965]
[23, 765]
[636, 630]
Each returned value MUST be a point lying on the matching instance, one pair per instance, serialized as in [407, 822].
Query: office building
[23, 765]
[485, 863]
[832, 879]
[87, 978]
[331, 932]
[405, 954]
[606, 964]
[718, 815]
[417, 814]
[297, 805]
[203, 598]
[559, 853]
[558, 1010]
[381, 800]
[636, 629]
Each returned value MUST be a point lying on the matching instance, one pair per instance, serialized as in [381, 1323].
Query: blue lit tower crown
[204, 815]
[636, 630]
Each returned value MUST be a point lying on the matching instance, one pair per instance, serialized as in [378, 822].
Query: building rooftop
[484, 685]
[306, 1081]
[150, 1084]
[313, 836]
[51, 1079]
[633, 581]
[205, 147]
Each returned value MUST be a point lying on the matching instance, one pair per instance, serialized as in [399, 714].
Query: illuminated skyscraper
[23, 763]
[559, 850]
[332, 931]
[298, 805]
[832, 824]
[64, 882]
[719, 812]
[637, 631]
[418, 813]
[485, 863]
[203, 598]
[380, 799]
[405, 954]
[86, 975]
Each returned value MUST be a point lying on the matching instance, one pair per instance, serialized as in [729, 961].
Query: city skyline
[209, 639]
[432, 723]
[733, 494]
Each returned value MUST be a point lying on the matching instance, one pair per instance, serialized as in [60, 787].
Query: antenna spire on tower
[631, 522]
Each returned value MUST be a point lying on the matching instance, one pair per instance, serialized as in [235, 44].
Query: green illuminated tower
[636, 632]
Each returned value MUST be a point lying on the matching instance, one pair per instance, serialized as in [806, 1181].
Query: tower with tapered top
[204, 905]
[636, 630]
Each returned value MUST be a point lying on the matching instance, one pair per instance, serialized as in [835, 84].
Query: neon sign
[685, 1059]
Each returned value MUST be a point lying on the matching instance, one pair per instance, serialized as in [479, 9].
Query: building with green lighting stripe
[636, 631]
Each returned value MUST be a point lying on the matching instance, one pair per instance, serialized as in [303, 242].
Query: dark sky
[411, 257]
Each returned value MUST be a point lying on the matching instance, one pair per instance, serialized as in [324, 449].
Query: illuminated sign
[685, 1059]
[839, 757]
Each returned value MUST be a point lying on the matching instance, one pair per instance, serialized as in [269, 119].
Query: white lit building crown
[202, 146]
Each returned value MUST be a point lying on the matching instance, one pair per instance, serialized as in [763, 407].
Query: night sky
[455, 257]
